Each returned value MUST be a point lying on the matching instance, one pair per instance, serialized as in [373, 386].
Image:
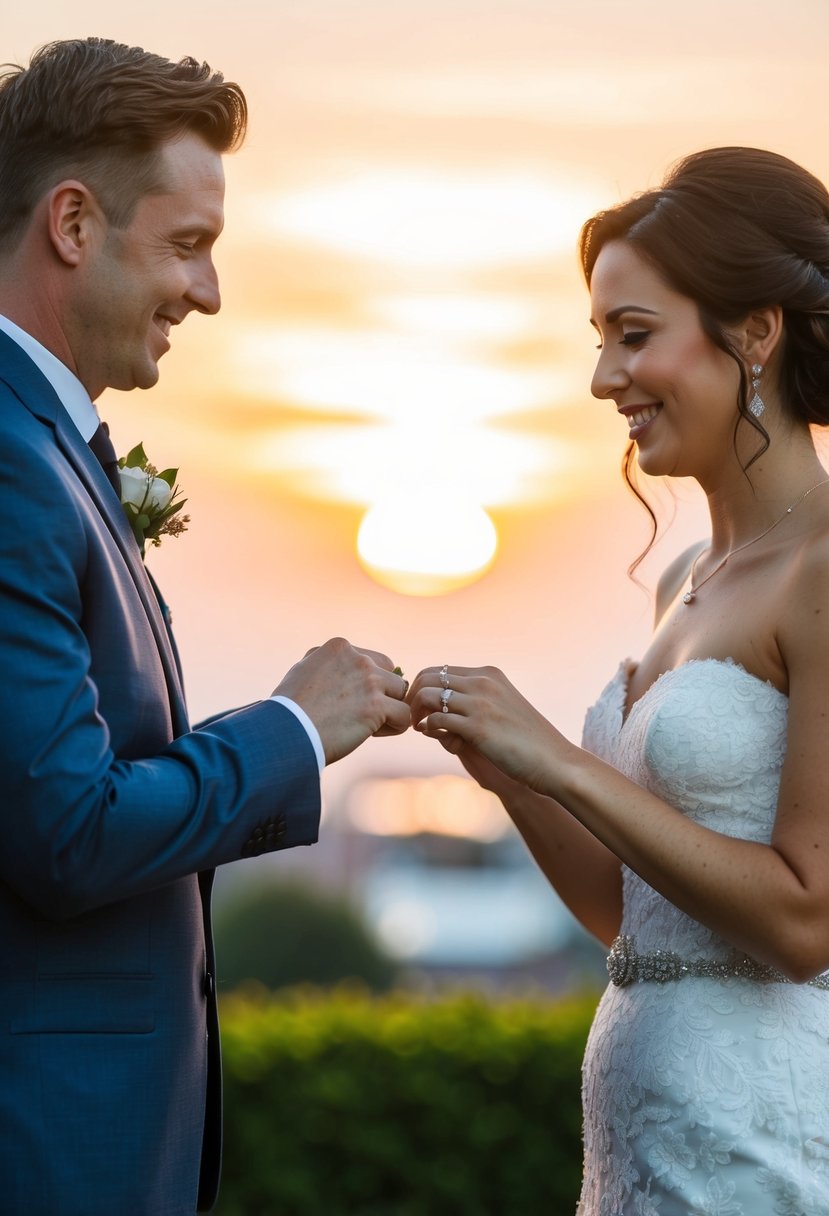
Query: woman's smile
[639, 417]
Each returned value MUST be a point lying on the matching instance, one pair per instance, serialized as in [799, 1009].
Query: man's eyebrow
[199, 228]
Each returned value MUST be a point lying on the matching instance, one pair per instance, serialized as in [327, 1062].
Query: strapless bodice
[708, 738]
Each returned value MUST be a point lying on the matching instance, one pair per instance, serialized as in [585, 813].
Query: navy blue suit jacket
[113, 815]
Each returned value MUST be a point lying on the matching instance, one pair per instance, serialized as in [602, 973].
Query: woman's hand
[510, 749]
[488, 775]
[478, 715]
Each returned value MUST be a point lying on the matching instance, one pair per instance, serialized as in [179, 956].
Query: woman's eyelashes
[635, 338]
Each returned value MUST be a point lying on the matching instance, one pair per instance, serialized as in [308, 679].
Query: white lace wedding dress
[703, 1096]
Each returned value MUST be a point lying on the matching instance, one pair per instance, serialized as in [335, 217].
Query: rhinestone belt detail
[626, 966]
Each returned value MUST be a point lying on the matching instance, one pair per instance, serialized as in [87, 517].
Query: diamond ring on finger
[444, 676]
[444, 700]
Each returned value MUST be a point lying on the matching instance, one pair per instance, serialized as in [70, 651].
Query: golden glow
[473, 319]
[433, 460]
[363, 465]
[428, 218]
[386, 375]
[428, 546]
[421, 382]
[405, 806]
[602, 94]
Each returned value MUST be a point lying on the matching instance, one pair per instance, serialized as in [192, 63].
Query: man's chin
[145, 376]
[149, 381]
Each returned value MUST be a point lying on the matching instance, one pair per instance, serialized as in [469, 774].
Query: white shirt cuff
[311, 730]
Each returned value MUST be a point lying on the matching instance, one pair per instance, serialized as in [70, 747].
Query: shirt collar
[73, 396]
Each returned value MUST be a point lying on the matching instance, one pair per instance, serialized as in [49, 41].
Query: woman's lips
[639, 417]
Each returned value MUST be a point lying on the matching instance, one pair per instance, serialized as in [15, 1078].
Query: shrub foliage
[289, 933]
[350, 1104]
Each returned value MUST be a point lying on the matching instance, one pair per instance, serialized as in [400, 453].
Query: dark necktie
[102, 448]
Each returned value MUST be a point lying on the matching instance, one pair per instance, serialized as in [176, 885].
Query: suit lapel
[34, 390]
[102, 494]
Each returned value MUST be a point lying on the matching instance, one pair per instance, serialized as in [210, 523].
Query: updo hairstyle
[736, 230]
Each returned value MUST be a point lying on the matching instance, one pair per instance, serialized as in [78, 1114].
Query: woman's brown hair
[736, 230]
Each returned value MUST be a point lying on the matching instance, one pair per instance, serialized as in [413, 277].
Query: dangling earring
[756, 405]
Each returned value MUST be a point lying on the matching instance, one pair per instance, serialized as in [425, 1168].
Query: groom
[113, 810]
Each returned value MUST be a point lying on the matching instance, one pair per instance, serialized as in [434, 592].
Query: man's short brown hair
[98, 111]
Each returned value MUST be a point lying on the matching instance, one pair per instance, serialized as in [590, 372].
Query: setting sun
[426, 547]
[409, 394]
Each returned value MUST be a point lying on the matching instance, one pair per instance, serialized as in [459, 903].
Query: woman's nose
[609, 375]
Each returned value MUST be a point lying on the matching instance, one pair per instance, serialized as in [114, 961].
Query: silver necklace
[691, 594]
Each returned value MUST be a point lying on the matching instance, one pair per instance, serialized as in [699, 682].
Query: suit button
[265, 836]
[208, 984]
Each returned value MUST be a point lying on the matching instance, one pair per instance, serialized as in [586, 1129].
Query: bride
[690, 833]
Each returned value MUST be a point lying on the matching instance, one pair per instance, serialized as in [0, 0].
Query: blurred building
[450, 889]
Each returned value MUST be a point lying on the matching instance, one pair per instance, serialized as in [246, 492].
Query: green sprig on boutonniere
[150, 499]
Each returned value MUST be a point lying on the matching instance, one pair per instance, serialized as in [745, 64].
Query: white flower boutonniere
[150, 499]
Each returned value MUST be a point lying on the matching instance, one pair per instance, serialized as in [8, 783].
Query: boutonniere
[150, 499]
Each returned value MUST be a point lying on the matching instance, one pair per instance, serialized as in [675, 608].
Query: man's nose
[204, 292]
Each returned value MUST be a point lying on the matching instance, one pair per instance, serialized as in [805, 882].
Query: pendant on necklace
[689, 597]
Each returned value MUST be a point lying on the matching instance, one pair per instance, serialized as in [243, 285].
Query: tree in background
[286, 933]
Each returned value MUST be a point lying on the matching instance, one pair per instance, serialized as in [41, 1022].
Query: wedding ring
[444, 675]
[444, 700]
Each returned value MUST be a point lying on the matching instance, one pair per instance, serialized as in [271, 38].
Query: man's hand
[349, 694]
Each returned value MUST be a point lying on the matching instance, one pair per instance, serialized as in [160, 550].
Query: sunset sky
[404, 330]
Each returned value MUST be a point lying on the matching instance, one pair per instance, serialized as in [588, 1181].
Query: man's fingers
[398, 719]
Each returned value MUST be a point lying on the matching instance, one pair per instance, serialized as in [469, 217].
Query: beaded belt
[626, 966]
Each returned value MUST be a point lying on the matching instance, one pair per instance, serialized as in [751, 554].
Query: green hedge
[340, 1104]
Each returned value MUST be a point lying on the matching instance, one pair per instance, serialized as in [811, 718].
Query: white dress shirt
[78, 405]
[73, 395]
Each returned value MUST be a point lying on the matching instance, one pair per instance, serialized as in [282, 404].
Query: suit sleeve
[98, 801]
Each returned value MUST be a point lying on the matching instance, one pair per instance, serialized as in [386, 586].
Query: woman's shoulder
[804, 592]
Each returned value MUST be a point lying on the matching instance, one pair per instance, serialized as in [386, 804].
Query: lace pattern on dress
[708, 1097]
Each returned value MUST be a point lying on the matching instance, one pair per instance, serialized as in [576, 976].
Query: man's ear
[760, 334]
[73, 217]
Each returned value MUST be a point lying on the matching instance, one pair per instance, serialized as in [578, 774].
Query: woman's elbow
[802, 952]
